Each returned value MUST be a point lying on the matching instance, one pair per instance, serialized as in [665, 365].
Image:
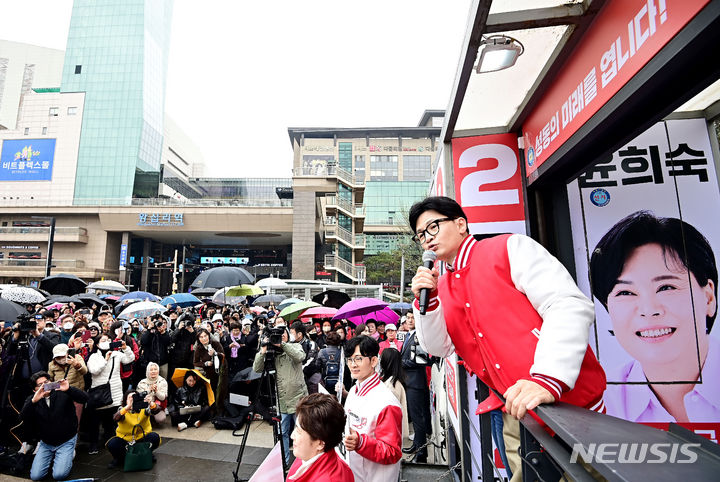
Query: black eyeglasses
[431, 229]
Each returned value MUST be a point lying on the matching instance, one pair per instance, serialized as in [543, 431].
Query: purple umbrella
[359, 307]
[386, 315]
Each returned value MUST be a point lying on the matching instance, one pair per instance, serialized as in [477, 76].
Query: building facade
[117, 54]
[352, 192]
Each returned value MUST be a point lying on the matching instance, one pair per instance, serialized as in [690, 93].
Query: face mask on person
[67, 326]
[291, 337]
[326, 329]
[104, 345]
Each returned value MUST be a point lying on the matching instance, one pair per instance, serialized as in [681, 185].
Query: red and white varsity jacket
[512, 311]
[375, 414]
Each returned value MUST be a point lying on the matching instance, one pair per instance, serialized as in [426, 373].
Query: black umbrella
[332, 298]
[9, 310]
[63, 299]
[89, 298]
[201, 292]
[265, 300]
[63, 284]
[223, 276]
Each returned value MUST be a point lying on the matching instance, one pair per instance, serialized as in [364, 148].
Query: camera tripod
[269, 381]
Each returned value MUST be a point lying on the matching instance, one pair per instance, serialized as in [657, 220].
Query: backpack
[232, 423]
[331, 372]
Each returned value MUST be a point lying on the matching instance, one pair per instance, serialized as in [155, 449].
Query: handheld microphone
[428, 258]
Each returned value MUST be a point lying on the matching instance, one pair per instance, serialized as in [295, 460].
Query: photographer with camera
[70, 366]
[135, 413]
[50, 416]
[40, 343]
[310, 368]
[182, 340]
[155, 343]
[104, 366]
[291, 387]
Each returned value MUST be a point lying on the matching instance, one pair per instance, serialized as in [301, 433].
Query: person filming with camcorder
[276, 346]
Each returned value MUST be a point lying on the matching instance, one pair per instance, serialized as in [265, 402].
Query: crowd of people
[82, 374]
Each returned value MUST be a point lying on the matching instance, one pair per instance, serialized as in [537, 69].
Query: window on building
[416, 168]
[72, 110]
[78, 69]
[27, 131]
[54, 111]
[383, 168]
[44, 131]
[360, 167]
[345, 155]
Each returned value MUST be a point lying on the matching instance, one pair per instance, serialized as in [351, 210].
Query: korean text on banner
[27, 159]
[623, 38]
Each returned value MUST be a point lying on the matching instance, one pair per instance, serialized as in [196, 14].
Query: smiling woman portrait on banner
[646, 251]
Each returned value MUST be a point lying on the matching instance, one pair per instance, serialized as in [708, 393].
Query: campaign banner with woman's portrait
[646, 239]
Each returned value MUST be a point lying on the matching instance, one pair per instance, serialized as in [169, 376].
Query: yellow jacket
[130, 420]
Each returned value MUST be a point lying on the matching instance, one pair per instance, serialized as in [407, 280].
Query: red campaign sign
[488, 183]
[437, 188]
[623, 38]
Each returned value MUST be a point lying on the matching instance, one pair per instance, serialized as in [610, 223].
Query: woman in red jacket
[319, 425]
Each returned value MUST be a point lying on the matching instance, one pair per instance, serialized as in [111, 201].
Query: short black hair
[442, 204]
[298, 327]
[678, 239]
[38, 375]
[369, 346]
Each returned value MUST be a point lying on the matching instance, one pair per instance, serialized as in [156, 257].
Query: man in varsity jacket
[511, 311]
[373, 436]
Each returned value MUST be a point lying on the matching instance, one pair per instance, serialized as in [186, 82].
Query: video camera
[28, 323]
[273, 337]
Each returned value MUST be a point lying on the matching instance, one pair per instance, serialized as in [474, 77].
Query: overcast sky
[240, 73]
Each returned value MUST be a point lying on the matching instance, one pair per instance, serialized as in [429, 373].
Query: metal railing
[205, 202]
[354, 272]
[40, 263]
[59, 231]
[353, 209]
[329, 171]
[347, 237]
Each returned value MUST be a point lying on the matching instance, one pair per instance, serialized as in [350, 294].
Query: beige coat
[75, 376]
[399, 392]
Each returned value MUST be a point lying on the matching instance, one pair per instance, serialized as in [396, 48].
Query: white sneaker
[24, 448]
[37, 447]
[182, 426]
[411, 436]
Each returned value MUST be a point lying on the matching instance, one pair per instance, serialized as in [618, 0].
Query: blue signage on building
[160, 219]
[123, 255]
[27, 160]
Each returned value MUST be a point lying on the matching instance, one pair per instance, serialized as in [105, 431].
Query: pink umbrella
[258, 309]
[320, 312]
[385, 315]
[55, 306]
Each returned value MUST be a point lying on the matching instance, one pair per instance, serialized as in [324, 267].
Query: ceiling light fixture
[498, 52]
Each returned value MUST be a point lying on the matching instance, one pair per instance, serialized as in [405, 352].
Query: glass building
[387, 203]
[117, 53]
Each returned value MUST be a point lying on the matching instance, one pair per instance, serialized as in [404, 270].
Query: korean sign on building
[623, 38]
[646, 250]
[160, 219]
[27, 160]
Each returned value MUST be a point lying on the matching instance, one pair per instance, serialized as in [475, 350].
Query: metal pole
[402, 277]
[182, 275]
[51, 240]
[174, 284]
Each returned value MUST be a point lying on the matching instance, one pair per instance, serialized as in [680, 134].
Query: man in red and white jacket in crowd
[373, 437]
[513, 313]
[391, 341]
